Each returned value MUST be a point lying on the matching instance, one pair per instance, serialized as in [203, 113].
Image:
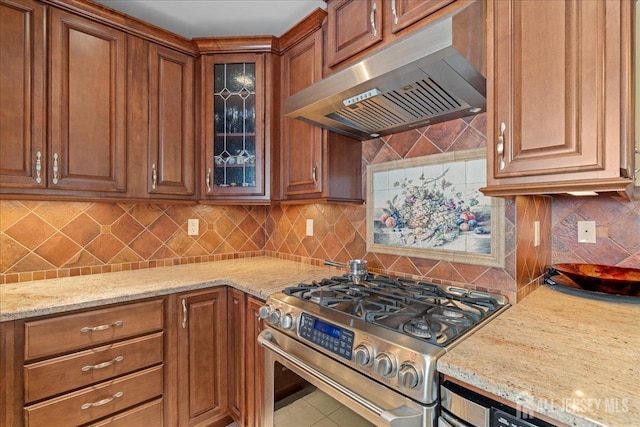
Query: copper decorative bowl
[602, 278]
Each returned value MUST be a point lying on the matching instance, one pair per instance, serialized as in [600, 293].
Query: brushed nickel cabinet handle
[103, 401]
[313, 174]
[394, 11]
[500, 146]
[103, 364]
[154, 176]
[637, 170]
[372, 18]
[38, 167]
[55, 168]
[115, 324]
[208, 180]
[185, 314]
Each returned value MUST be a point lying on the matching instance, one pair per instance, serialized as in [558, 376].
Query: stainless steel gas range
[367, 345]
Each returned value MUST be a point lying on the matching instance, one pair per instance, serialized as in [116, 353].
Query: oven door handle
[402, 416]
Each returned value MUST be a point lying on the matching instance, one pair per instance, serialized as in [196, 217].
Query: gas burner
[319, 295]
[424, 329]
[449, 312]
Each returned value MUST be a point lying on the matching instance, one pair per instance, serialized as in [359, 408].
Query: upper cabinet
[352, 26]
[559, 96]
[171, 122]
[235, 149]
[88, 66]
[316, 165]
[403, 13]
[23, 159]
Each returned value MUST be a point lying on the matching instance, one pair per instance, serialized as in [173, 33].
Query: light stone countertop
[259, 276]
[570, 358]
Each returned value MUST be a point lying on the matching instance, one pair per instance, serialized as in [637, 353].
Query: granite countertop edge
[257, 276]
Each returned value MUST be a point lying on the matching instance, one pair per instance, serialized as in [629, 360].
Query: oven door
[328, 389]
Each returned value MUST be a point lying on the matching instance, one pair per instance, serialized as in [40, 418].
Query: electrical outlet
[193, 226]
[309, 227]
[536, 233]
[586, 231]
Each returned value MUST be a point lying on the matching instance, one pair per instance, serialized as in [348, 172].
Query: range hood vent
[428, 77]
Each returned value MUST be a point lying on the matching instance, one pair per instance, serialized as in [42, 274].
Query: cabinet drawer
[74, 331]
[55, 376]
[147, 415]
[93, 403]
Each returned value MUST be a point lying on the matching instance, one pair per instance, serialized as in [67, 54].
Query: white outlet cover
[309, 228]
[586, 231]
[193, 226]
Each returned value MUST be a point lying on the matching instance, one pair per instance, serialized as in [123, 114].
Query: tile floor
[317, 409]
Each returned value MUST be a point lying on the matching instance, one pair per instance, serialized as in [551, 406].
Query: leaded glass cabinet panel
[234, 117]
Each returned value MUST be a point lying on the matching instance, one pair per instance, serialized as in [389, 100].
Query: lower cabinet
[202, 357]
[188, 359]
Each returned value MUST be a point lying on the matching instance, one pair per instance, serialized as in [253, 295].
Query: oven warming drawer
[375, 402]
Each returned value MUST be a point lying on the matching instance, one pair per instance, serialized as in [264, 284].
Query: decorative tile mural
[432, 207]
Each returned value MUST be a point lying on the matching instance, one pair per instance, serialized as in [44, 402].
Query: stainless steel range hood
[431, 76]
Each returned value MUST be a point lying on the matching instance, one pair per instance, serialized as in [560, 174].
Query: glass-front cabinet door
[234, 130]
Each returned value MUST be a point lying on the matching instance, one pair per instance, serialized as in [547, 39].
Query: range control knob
[274, 316]
[264, 311]
[409, 375]
[363, 355]
[384, 365]
[288, 321]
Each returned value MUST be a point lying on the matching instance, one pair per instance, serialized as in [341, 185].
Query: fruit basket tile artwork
[432, 207]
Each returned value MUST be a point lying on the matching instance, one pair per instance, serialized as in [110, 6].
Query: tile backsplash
[45, 239]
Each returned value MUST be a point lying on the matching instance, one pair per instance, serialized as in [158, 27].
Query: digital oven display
[328, 329]
[330, 337]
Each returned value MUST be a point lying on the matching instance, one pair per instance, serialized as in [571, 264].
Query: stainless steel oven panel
[373, 401]
[402, 348]
[471, 412]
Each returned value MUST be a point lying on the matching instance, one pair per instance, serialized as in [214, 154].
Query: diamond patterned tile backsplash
[44, 239]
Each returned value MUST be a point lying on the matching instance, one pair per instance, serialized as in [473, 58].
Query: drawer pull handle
[103, 364]
[115, 324]
[55, 168]
[500, 146]
[103, 401]
[154, 176]
[372, 19]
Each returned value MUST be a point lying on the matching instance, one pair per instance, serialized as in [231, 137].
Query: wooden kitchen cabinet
[236, 353]
[171, 147]
[316, 165]
[560, 112]
[235, 149]
[202, 357]
[23, 159]
[108, 365]
[352, 26]
[355, 27]
[87, 106]
[254, 377]
[402, 13]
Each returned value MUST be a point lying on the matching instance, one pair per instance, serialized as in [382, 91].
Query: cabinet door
[233, 86]
[352, 26]
[87, 105]
[202, 380]
[171, 116]
[302, 142]
[255, 365]
[236, 353]
[407, 12]
[22, 94]
[556, 85]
